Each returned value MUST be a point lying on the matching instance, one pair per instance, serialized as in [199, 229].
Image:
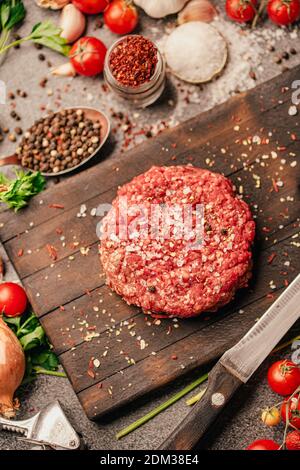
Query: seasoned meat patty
[172, 274]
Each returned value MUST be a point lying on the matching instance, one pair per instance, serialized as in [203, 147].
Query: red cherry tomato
[121, 17]
[284, 12]
[91, 7]
[13, 299]
[263, 444]
[241, 11]
[284, 377]
[292, 441]
[87, 56]
[291, 408]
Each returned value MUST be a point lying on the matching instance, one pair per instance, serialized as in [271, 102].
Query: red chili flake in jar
[133, 61]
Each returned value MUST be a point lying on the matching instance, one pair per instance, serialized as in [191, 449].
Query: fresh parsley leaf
[33, 339]
[17, 14]
[16, 193]
[12, 12]
[4, 14]
[13, 322]
[45, 359]
[38, 352]
[46, 28]
[3, 180]
[48, 35]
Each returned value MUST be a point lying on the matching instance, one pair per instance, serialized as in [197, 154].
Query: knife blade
[236, 366]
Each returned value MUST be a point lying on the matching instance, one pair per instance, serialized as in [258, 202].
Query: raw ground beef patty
[165, 275]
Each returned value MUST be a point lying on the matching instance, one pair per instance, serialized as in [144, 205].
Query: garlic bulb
[72, 23]
[160, 8]
[52, 4]
[12, 368]
[197, 10]
[196, 52]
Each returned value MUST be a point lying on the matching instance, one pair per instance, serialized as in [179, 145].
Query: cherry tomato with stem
[290, 410]
[271, 416]
[263, 444]
[87, 56]
[121, 16]
[284, 12]
[241, 11]
[292, 441]
[284, 377]
[91, 7]
[13, 299]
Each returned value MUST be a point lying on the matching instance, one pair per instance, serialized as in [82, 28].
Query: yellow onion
[12, 368]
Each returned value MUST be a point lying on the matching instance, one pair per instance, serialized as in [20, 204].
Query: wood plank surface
[251, 139]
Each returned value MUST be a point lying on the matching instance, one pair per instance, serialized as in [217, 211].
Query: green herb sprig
[140, 422]
[12, 12]
[40, 359]
[46, 34]
[16, 193]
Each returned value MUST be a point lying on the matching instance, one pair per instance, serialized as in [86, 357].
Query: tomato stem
[284, 345]
[258, 13]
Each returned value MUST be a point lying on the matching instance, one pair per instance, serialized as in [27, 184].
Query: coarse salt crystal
[293, 110]
[96, 363]
[93, 211]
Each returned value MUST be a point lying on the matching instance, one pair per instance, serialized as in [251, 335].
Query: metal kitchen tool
[90, 113]
[48, 428]
[236, 367]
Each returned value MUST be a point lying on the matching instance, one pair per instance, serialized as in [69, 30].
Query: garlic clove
[72, 22]
[52, 4]
[64, 70]
[197, 10]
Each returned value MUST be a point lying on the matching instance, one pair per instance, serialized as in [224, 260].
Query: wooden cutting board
[251, 139]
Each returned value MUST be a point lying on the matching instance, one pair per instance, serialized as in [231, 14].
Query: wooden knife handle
[221, 386]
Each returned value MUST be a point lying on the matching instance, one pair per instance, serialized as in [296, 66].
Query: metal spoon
[90, 113]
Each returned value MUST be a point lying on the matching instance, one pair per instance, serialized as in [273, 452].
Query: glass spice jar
[135, 70]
